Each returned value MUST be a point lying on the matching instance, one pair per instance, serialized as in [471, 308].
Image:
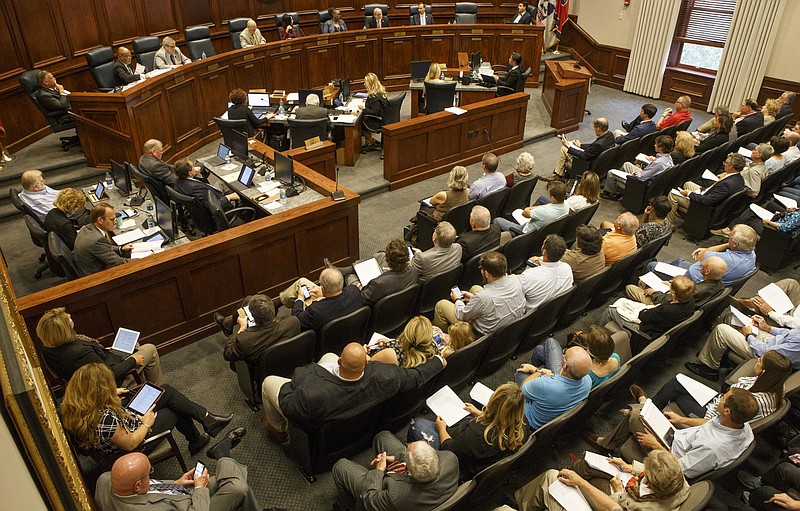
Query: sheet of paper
[273, 205]
[601, 463]
[455, 110]
[644, 490]
[128, 237]
[619, 173]
[707, 174]
[700, 392]
[761, 212]
[658, 423]
[146, 246]
[427, 202]
[293, 96]
[654, 283]
[741, 319]
[776, 298]
[481, 393]
[376, 338]
[747, 153]
[643, 158]
[446, 404]
[676, 191]
[130, 212]
[521, 220]
[367, 270]
[573, 146]
[230, 178]
[130, 223]
[139, 69]
[786, 201]
[151, 231]
[346, 119]
[569, 497]
[140, 255]
[668, 269]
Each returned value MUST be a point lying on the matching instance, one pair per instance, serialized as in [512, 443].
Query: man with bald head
[338, 387]
[482, 236]
[251, 36]
[123, 72]
[622, 240]
[377, 20]
[128, 487]
[151, 163]
[548, 395]
[712, 269]
[329, 300]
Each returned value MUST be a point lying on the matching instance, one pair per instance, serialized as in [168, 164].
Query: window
[700, 34]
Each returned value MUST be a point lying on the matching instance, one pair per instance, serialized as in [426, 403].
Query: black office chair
[101, 65]
[466, 13]
[391, 114]
[239, 125]
[519, 196]
[279, 20]
[301, 130]
[439, 96]
[580, 217]
[39, 238]
[235, 27]
[198, 42]
[341, 331]
[546, 317]
[226, 219]
[414, 9]
[322, 18]
[494, 201]
[435, 289]
[201, 217]
[63, 255]
[504, 90]
[30, 84]
[144, 49]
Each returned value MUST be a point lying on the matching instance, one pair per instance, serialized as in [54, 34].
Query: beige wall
[783, 60]
[17, 486]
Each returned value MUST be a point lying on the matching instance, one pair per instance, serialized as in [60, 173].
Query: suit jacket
[58, 222]
[436, 260]
[313, 113]
[123, 74]
[658, 320]
[93, 251]
[638, 131]
[68, 358]
[786, 109]
[322, 312]
[749, 122]
[250, 343]
[415, 20]
[242, 113]
[371, 23]
[593, 150]
[720, 190]
[328, 27]
[55, 103]
[526, 19]
[315, 396]
[157, 169]
[199, 190]
[476, 242]
[247, 40]
[162, 59]
[712, 141]
[512, 79]
[387, 283]
[703, 292]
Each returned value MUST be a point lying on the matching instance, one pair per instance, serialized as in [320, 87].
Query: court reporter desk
[170, 296]
[176, 107]
[465, 94]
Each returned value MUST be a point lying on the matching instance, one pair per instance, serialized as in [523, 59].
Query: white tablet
[125, 341]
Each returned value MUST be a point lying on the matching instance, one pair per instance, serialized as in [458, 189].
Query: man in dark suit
[123, 74]
[786, 101]
[377, 20]
[483, 236]
[443, 256]
[151, 163]
[397, 273]
[248, 342]
[403, 477]
[523, 17]
[422, 17]
[313, 112]
[749, 117]
[642, 128]
[52, 96]
[94, 250]
[514, 77]
[730, 182]
[189, 184]
[604, 140]
[330, 300]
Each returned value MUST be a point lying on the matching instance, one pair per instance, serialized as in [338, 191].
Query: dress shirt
[489, 307]
[675, 118]
[712, 446]
[739, 265]
[486, 184]
[543, 215]
[247, 39]
[546, 398]
[774, 165]
[784, 341]
[788, 320]
[662, 162]
[791, 154]
[542, 283]
[40, 202]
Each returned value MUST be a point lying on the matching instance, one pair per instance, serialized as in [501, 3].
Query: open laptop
[223, 152]
[488, 81]
[259, 103]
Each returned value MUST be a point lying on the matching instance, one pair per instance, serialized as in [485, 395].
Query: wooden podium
[564, 94]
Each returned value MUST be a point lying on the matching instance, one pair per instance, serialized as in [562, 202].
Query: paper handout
[447, 405]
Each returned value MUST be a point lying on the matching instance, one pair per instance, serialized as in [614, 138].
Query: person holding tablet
[92, 412]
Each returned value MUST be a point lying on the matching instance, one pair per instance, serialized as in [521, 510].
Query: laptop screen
[99, 190]
[246, 175]
[419, 69]
[258, 99]
[223, 151]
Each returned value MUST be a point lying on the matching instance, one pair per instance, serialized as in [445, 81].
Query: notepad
[569, 497]
[657, 423]
[677, 191]
[446, 404]
[128, 237]
[669, 269]
[480, 393]
[654, 283]
[367, 270]
[786, 201]
[700, 392]
[520, 219]
[128, 224]
[776, 298]
[643, 158]
[601, 463]
[146, 246]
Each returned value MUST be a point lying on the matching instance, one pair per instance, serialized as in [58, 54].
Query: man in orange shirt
[621, 241]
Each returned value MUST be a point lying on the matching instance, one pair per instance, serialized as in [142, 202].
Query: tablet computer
[125, 341]
[246, 175]
[146, 397]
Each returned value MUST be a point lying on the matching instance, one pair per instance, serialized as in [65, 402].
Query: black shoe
[327, 263]
[703, 371]
[625, 126]
[197, 446]
[214, 424]
[220, 320]
[222, 449]
[609, 196]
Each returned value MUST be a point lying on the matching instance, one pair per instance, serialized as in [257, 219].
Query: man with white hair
[311, 111]
[150, 163]
[482, 236]
[786, 100]
[681, 113]
[404, 477]
[35, 194]
[169, 55]
[755, 172]
[622, 240]
[251, 36]
[377, 20]
[793, 152]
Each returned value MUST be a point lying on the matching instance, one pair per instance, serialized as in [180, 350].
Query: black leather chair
[235, 27]
[774, 246]
[618, 274]
[458, 216]
[548, 434]
[225, 125]
[101, 65]
[519, 196]
[279, 20]
[545, 319]
[519, 249]
[341, 331]
[626, 152]
[494, 201]
[301, 130]
[414, 9]
[224, 220]
[61, 253]
[391, 313]
[439, 96]
[434, 289]
[13, 195]
[503, 90]
[491, 480]
[580, 217]
[198, 42]
[391, 114]
[370, 8]
[322, 18]
[201, 217]
[466, 13]
[144, 49]
[701, 219]
[503, 343]
[599, 165]
[30, 84]
[457, 499]
[39, 238]
[462, 364]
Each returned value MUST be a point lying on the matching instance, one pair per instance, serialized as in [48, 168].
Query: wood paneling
[318, 64]
[214, 91]
[773, 87]
[196, 12]
[476, 40]
[437, 48]
[362, 58]
[160, 17]
[251, 74]
[402, 48]
[122, 21]
[678, 82]
[183, 97]
[82, 25]
[285, 69]
[230, 9]
[41, 19]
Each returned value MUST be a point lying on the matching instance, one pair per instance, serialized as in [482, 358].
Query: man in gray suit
[444, 256]
[52, 96]
[151, 163]
[169, 55]
[414, 477]
[251, 36]
[311, 111]
[94, 250]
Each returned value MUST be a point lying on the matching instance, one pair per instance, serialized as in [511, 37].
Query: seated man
[621, 241]
[482, 236]
[755, 171]
[35, 194]
[586, 258]
[169, 55]
[123, 73]
[377, 20]
[311, 111]
[615, 184]
[546, 395]
[403, 477]
[251, 36]
[490, 181]
[94, 251]
[789, 320]
[485, 308]
[422, 17]
[541, 215]
[522, 17]
[730, 182]
[189, 184]
[330, 300]
[738, 254]
[52, 96]
[749, 117]
[604, 140]
[654, 222]
[549, 277]
[150, 163]
[645, 126]
[442, 257]
[793, 152]
[397, 274]
[786, 100]
[514, 76]
[336, 388]
[248, 342]
[682, 113]
[711, 269]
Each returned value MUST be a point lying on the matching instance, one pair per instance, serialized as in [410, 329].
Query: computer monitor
[344, 88]
[165, 218]
[284, 168]
[302, 94]
[475, 60]
[419, 69]
[258, 99]
[246, 175]
[237, 141]
[122, 179]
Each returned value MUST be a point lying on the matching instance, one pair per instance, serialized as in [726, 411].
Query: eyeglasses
[146, 475]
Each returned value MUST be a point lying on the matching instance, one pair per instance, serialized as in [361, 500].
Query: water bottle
[281, 111]
[109, 181]
[228, 158]
[203, 56]
[283, 195]
[149, 206]
[150, 222]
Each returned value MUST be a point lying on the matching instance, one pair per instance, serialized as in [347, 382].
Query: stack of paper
[747, 153]
[128, 237]
[346, 119]
[569, 497]
[644, 158]
[701, 393]
[572, 145]
[520, 219]
[602, 464]
[619, 173]
[669, 269]
[128, 224]
[455, 110]
[741, 319]
[654, 283]
[707, 174]
[446, 404]
[776, 298]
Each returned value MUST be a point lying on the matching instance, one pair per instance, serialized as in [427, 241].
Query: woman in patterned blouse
[654, 221]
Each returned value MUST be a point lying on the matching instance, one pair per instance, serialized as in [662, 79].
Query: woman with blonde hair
[60, 219]
[459, 335]
[92, 412]
[587, 193]
[434, 73]
[455, 195]
[375, 104]
[413, 347]
[771, 109]
[486, 437]
[684, 147]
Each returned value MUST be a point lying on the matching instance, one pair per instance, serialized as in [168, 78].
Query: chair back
[221, 221]
[439, 96]
[544, 322]
[341, 331]
[60, 252]
[391, 313]
[736, 285]
[436, 288]
[462, 364]
[602, 163]
[198, 41]
[520, 86]
[700, 494]
[518, 250]
[466, 13]
[729, 209]
[414, 9]
[503, 342]
[282, 358]
[231, 124]
[635, 363]
[457, 499]
[772, 183]
[494, 201]
[279, 19]
[713, 308]
[235, 27]
[547, 434]
[648, 252]
[391, 113]
[144, 49]
[580, 300]
[39, 238]
[492, 478]
[519, 196]
[30, 84]
[647, 142]
[618, 274]
[101, 65]
[764, 423]
[580, 217]
[197, 212]
[458, 216]
[322, 18]
[626, 152]
[471, 274]
[370, 8]
[13, 195]
[301, 130]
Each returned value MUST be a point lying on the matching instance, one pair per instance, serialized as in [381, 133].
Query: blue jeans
[541, 201]
[423, 429]
[506, 225]
[549, 354]
[681, 263]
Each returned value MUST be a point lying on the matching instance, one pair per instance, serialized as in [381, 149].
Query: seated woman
[375, 104]
[434, 75]
[239, 111]
[65, 351]
[587, 194]
[599, 344]
[771, 109]
[455, 195]
[777, 161]
[486, 437]
[93, 414]
[586, 257]
[60, 219]
[684, 147]
[720, 134]
[523, 169]
[413, 347]
[336, 23]
[287, 30]
[654, 222]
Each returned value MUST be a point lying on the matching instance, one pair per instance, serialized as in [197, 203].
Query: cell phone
[410, 253]
[306, 293]
[198, 469]
[458, 292]
[241, 312]
[438, 340]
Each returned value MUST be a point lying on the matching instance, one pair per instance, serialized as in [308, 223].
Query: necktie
[172, 58]
[398, 467]
[379, 23]
[173, 488]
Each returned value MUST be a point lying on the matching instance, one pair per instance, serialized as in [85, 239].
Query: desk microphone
[337, 194]
[488, 138]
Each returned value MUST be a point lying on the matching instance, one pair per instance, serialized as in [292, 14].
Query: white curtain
[746, 52]
[650, 50]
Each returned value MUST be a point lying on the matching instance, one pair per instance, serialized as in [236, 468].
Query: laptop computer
[488, 81]
[419, 69]
[259, 103]
[223, 152]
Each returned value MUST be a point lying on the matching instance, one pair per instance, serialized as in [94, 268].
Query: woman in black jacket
[61, 219]
[720, 134]
[375, 105]
[239, 111]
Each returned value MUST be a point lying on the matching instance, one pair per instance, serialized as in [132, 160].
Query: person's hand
[202, 480]
[647, 440]
[649, 291]
[576, 143]
[60, 88]
[242, 321]
[536, 260]
[685, 193]
[121, 392]
[139, 360]
[527, 369]
[315, 292]
[564, 142]
[233, 197]
[747, 330]
[761, 323]
[361, 106]
[621, 464]
[699, 254]
[127, 247]
[569, 477]
[616, 484]
[381, 460]
[186, 479]
[441, 425]
[762, 306]
[785, 501]
[149, 417]
[546, 372]
[467, 296]
[673, 417]
[667, 111]
[471, 409]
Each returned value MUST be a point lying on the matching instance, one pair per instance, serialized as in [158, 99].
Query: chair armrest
[157, 438]
[516, 230]
[373, 123]
[502, 90]
[246, 213]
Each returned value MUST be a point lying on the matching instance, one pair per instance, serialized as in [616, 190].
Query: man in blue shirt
[547, 395]
[543, 214]
[615, 180]
[490, 181]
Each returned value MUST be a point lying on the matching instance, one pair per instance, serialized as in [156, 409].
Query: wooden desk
[322, 159]
[420, 148]
[564, 94]
[466, 94]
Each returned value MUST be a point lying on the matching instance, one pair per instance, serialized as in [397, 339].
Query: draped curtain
[654, 31]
